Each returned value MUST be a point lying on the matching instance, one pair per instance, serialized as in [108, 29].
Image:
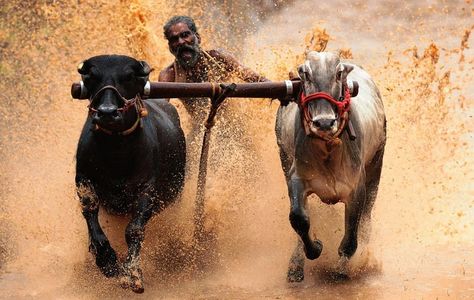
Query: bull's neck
[322, 152]
[118, 142]
[119, 152]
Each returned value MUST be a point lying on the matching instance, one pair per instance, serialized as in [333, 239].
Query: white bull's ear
[343, 70]
[301, 72]
[304, 71]
[293, 76]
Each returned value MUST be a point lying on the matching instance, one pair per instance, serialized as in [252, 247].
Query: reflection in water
[423, 216]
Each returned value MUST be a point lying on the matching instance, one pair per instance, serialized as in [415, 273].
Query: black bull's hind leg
[300, 222]
[105, 256]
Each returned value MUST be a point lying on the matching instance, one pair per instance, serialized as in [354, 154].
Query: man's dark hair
[179, 19]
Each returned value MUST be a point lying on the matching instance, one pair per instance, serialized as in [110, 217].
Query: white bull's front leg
[300, 222]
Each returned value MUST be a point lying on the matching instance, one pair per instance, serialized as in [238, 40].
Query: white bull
[318, 155]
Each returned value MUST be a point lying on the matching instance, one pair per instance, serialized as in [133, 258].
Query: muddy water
[423, 226]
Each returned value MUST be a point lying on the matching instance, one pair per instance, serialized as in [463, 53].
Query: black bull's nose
[324, 124]
[106, 113]
[108, 110]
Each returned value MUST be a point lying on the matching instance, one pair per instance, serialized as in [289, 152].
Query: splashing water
[423, 217]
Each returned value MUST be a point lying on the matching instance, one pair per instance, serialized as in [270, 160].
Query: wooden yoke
[273, 90]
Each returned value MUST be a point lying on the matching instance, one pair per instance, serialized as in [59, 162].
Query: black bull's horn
[283, 89]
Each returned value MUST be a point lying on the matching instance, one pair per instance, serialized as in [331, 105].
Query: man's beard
[188, 62]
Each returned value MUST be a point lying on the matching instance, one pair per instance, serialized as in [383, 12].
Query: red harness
[343, 108]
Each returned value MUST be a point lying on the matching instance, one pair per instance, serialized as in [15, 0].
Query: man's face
[183, 44]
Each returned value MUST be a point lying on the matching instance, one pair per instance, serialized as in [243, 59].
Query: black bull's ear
[143, 73]
[144, 70]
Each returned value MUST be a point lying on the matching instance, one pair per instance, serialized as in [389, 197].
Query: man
[193, 64]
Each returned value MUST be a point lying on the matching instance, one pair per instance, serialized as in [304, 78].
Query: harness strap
[128, 103]
[121, 133]
[137, 102]
[342, 106]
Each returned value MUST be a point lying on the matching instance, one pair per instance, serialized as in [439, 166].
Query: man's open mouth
[186, 53]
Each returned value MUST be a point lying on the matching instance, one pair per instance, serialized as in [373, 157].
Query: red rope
[342, 106]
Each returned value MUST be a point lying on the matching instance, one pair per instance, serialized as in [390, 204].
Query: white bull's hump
[323, 57]
[369, 109]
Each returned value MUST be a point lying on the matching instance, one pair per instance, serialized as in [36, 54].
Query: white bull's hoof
[313, 249]
[295, 274]
[342, 269]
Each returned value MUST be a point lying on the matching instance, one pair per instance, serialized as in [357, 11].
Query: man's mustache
[186, 48]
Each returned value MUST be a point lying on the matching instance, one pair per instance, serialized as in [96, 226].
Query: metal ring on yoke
[289, 87]
[84, 94]
[146, 89]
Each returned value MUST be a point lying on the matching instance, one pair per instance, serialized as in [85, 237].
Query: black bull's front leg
[105, 256]
[134, 235]
[301, 224]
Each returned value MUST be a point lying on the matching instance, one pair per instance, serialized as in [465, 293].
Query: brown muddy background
[419, 53]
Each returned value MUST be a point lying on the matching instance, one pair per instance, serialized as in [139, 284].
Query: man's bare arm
[167, 74]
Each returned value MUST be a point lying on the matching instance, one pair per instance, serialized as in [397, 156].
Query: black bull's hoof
[132, 279]
[106, 260]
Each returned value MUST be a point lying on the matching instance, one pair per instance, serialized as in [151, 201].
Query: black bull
[129, 163]
[125, 163]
